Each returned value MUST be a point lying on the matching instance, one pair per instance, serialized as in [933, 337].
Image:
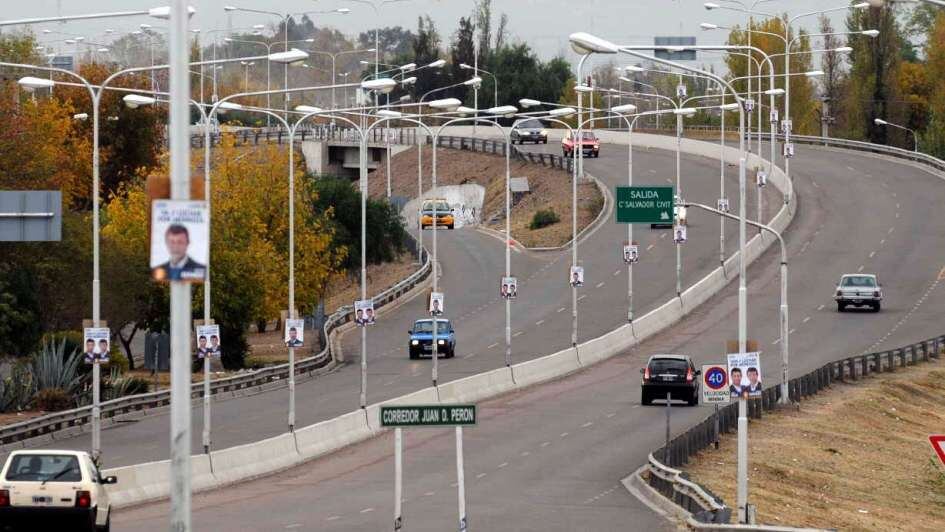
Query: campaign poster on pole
[364, 312]
[294, 332]
[180, 241]
[631, 253]
[744, 370]
[508, 288]
[761, 178]
[208, 341]
[715, 384]
[576, 278]
[436, 303]
[96, 344]
[679, 234]
[723, 205]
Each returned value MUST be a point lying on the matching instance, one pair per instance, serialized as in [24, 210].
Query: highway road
[551, 457]
[472, 263]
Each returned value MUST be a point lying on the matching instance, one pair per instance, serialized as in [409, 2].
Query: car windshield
[441, 206]
[858, 282]
[668, 365]
[44, 468]
[443, 327]
[531, 124]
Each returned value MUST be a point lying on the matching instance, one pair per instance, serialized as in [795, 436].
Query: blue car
[421, 339]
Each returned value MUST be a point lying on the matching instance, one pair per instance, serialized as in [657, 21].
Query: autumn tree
[933, 139]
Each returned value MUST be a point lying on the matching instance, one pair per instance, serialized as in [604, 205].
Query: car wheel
[450, 227]
[108, 523]
[693, 399]
[645, 399]
[876, 306]
[841, 307]
[414, 355]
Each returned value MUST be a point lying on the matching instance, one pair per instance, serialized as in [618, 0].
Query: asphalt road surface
[472, 263]
[551, 457]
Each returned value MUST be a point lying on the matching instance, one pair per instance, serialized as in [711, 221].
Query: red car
[589, 144]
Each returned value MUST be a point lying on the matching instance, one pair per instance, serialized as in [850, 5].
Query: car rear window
[863, 282]
[427, 327]
[441, 207]
[668, 365]
[44, 467]
[531, 124]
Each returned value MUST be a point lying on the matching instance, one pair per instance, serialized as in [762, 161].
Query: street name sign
[428, 415]
[644, 205]
[715, 384]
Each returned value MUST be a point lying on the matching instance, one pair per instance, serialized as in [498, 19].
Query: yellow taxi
[441, 208]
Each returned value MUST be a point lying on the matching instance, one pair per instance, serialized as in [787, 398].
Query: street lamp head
[685, 111]
[473, 82]
[228, 106]
[409, 81]
[710, 6]
[864, 5]
[405, 98]
[292, 56]
[164, 12]
[439, 63]
[80, 116]
[774, 92]
[583, 88]
[363, 62]
[70, 41]
[503, 110]
[259, 26]
[309, 40]
[102, 50]
[879, 122]
[526, 103]
[844, 49]
[387, 113]
[634, 68]
[145, 26]
[446, 104]
[30, 83]
[382, 85]
[464, 111]
[464, 66]
[229, 8]
[79, 39]
[134, 101]
[585, 43]
[709, 26]
[814, 73]
[729, 107]
[624, 109]
[561, 112]
[308, 109]
[342, 11]
[870, 33]
[408, 66]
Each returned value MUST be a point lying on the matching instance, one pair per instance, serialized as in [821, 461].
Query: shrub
[16, 391]
[53, 400]
[120, 386]
[73, 340]
[50, 368]
[543, 218]
[117, 359]
[256, 362]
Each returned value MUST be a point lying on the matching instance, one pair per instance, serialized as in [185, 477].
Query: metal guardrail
[497, 147]
[51, 423]
[711, 509]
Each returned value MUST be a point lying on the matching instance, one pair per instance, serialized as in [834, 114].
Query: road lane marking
[872, 254]
[470, 355]
[366, 510]
[429, 494]
[519, 333]
[850, 168]
[610, 415]
[560, 309]
[651, 246]
[776, 341]
[545, 443]
[480, 475]
[564, 434]
[539, 322]
[582, 297]
[897, 215]
[503, 464]
[491, 346]
[293, 525]
[858, 270]
[791, 331]
[333, 518]
[588, 424]
[663, 235]
[600, 284]
[805, 320]
[891, 229]
[616, 273]
[881, 242]
[526, 453]
[897, 206]
[821, 307]
[815, 184]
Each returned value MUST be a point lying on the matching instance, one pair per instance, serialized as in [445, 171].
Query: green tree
[20, 311]
[933, 138]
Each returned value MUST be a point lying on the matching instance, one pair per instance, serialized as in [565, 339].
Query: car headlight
[441, 342]
[544, 133]
[414, 342]
[597, 146]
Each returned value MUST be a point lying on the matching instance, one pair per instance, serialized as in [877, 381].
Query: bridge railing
[278, 135]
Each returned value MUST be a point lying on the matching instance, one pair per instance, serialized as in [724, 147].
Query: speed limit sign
[715, 384]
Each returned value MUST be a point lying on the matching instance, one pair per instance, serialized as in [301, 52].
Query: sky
[543, 24]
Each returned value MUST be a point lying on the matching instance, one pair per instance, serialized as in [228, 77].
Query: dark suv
[670, 373]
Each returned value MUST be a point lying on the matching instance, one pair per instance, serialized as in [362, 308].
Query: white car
[53, 490]
[859, 289]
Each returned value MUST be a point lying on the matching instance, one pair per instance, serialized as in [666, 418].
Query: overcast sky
[544, 24]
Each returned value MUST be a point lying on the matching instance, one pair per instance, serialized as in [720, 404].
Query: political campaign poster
[749, 105]
[789, 150]
[180, 242]
[294, 332]
[787, 126]
[436, 303]
[761, 178]
[774, 116]
[723, 205]
[508, 288]
[208, 341]
[744, 370]
[576, 278]
[679, 234]
[631, 253]
[96, 344]
[364, 312]
[681, 90]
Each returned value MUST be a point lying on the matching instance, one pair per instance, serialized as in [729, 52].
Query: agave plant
[121, 385]
[51, 369]
[16, 390]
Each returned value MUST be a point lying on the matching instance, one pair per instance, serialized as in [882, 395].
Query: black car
[529, 130]
[670, 373]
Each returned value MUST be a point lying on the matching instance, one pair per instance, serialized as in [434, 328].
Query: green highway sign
[645, 205]
[428, 415]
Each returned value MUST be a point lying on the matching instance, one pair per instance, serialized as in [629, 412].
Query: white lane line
[564, 434]
[791, 331]
[293, 525]
[588, 424]
[663, 235]
[776, 341]
[668, 180]
[480, 475]
[610, 415]
[881, 242]
[545, 443]
[897, 215]
[519, 333]
[600, 284]
[872, 254]
[388, 383]
[616, 273]
[582, 297]
[525, 453]
[815, 184]
[429, 494]
[470, 355]
[651, 246]
[894, 194]
[491, 346]
[652, 171]
[367, 510]
[821, 307]
[850, 168]
[858, 270]
[539, 322]
[635, 406]
[806, 319]
[897, 206]
[884, 185]
[333, 518]
[560, 309]
[503, 464]
[891, 229]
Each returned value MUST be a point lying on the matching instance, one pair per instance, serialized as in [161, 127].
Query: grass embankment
[550, 189]
[855, 457]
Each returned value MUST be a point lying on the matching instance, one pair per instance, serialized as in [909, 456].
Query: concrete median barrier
[253, 460]
[545, 368]
[151, 481]
[328, 436]
[476, 387]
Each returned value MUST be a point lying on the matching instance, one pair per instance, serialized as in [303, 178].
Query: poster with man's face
[508, 288]
[723, 204]
[436, 303]
[576, 276]
[681, 90]
[749, 105]
[761, 178]
[208, 341]
[789, 150]
[364, 312]
[294, 332]
[774, 116]
[744, 370]
[631, 253]
[96, 344]
[679, 234]
[180, 243]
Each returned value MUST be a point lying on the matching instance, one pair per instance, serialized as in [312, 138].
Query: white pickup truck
[53, 490]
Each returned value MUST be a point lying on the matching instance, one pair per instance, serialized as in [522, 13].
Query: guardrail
[253, 136]
[708, 508]
[16, 435]
[497, 147]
